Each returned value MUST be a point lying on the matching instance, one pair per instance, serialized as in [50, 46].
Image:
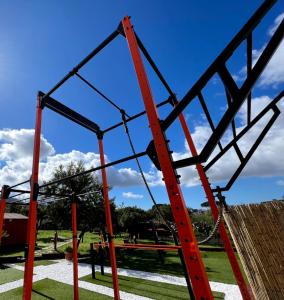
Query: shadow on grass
[3, 267]
[45, 240]
[43, 295]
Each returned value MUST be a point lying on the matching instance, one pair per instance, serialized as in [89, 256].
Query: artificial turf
[50, 289]
[9, 274]
[146, 288]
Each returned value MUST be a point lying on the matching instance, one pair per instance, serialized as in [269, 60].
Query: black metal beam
[251, 151]
[100, 93]
[134, 117]
[221, 59]
[17, 184]
[154, 67]
[238, 101]
[207, 114]
[84, 61]
[70, 114]
[249, 67]
[228, 82]
[95, 169]
[271, 105]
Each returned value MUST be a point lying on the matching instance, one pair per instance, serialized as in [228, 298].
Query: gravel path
[62, 271]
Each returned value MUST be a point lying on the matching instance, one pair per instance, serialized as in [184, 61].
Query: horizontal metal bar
[84, 61]
[144, 246]
[95, 169]
[70, 114]
[224, 56]
[134, 117]
[13, 186]
[40, 193]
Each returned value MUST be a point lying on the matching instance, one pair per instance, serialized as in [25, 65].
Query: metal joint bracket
[5, 191]
[35, 191]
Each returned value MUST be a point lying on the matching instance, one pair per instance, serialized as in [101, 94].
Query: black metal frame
[238, 95]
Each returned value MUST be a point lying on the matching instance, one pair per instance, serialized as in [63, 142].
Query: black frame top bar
[68, 113]
[84, 61]
[224, 56]
[238, 97]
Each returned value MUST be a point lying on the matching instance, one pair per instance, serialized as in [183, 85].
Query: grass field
[146, 288]
[217, 264]
[50, 289]
[9, 274]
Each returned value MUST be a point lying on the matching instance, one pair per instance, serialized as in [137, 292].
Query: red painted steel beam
[31, 238]
[75, 250]
[191, 253]
[215, 212]
[109, 222]
[144, 246]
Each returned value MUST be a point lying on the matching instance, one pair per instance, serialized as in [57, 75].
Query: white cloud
[280, 182]
[16, 149]
[277, 22]
[273, 74]
[130, 195]
[268, 160]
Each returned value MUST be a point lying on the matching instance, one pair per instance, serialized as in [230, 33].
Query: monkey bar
[159, 149]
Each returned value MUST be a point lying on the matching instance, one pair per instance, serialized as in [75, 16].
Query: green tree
[131, 218]
[90, 212]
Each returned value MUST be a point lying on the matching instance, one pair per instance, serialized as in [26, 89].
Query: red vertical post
[191, 253]
[215, 212]
[75, 250]
[109, 222]
[2, 208]
[31, 237]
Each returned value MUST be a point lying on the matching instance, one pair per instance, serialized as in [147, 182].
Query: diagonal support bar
[192, 256]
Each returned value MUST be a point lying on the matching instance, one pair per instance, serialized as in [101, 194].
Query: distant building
[15, 228]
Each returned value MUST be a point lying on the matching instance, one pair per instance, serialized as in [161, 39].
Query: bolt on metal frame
[162, 158]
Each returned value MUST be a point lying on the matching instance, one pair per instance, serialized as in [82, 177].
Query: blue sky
[42, 40]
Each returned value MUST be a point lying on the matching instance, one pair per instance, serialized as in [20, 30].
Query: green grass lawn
[9, 274]
[50, 289]
[217, 264]
[146, 288]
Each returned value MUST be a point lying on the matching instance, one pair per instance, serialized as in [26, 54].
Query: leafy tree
[90, 213]
[130, 219]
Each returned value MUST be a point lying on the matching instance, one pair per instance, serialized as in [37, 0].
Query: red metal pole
[75, 250]
[31, 239]
[215, 212]
[191, 253]
[109, 223]
[2, 209]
